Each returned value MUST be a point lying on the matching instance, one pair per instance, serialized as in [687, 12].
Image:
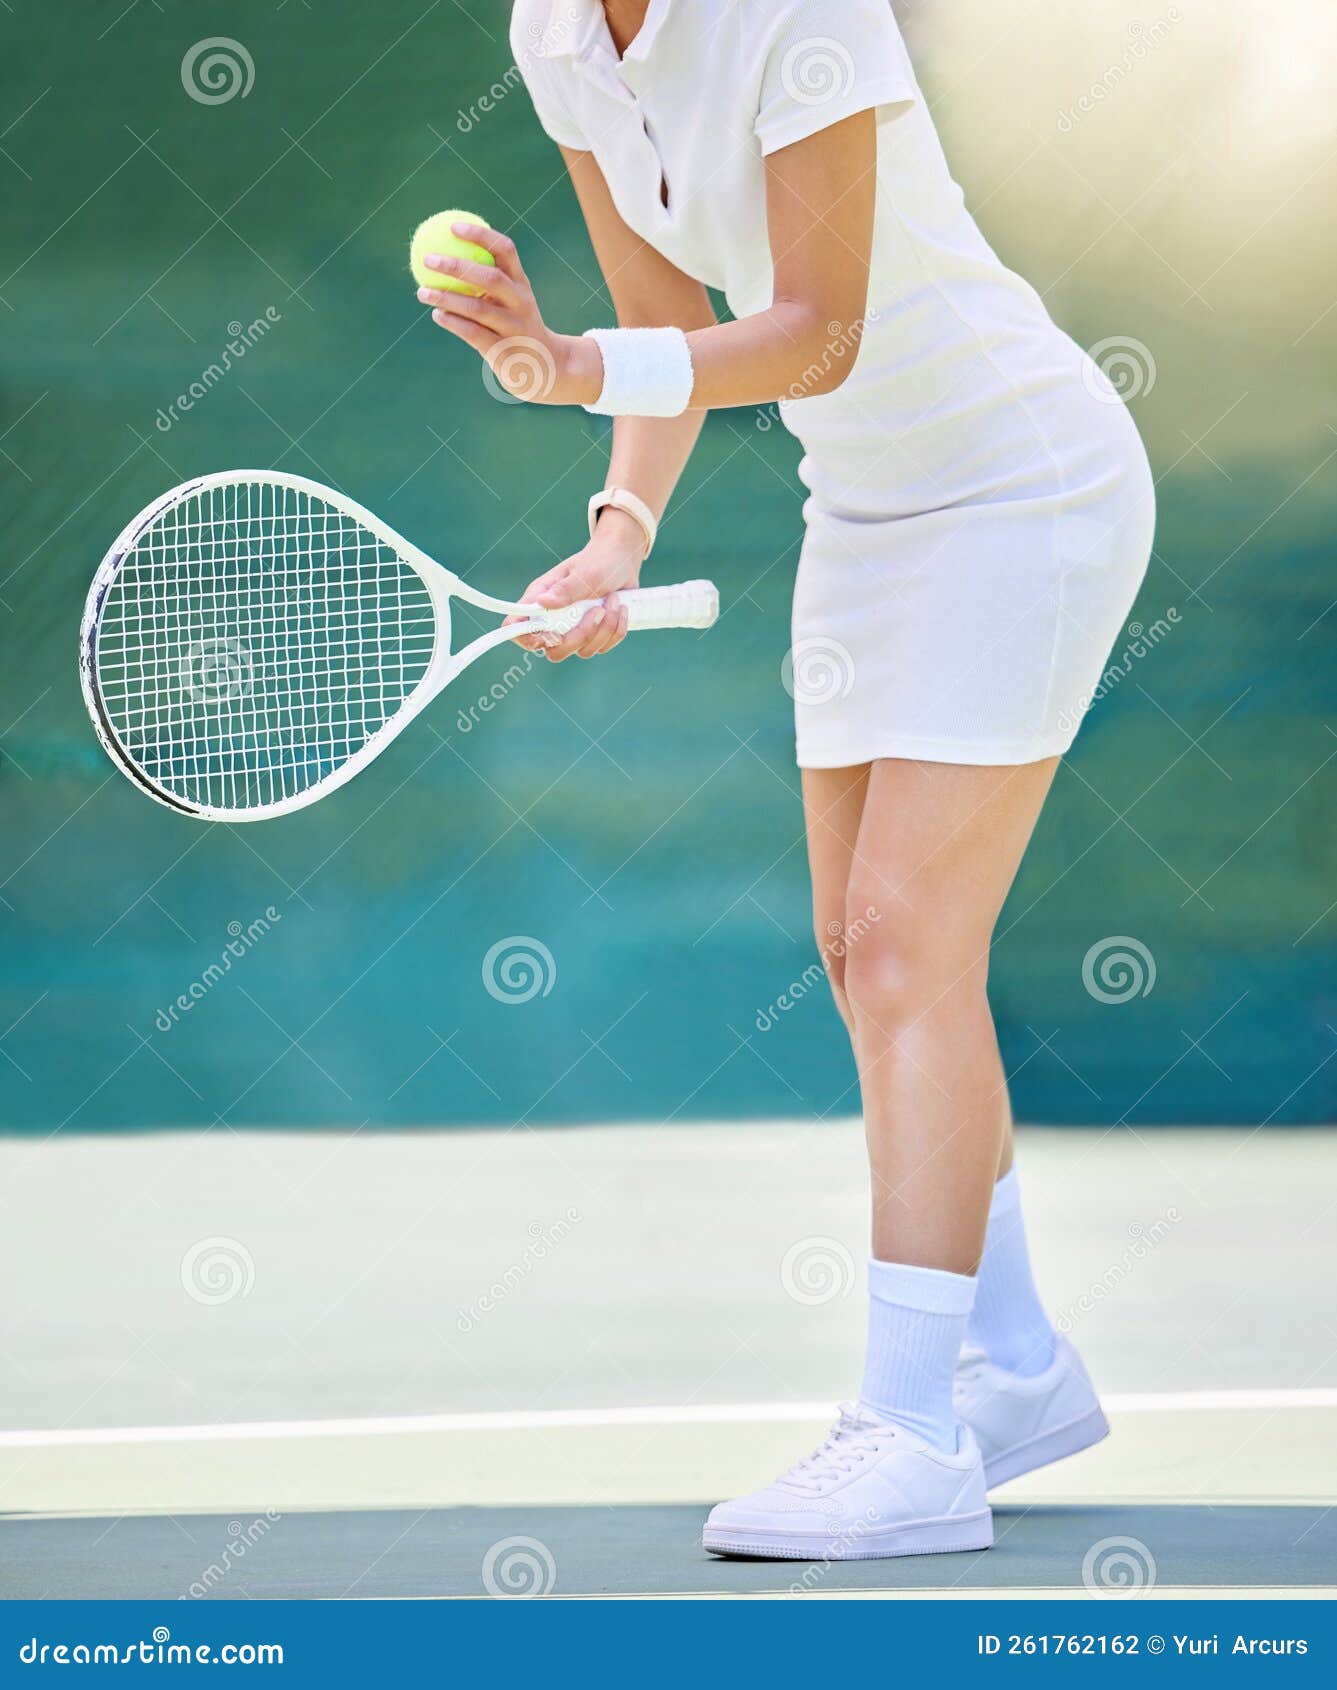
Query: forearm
[806, 341]
[789, 351]
[650, 453]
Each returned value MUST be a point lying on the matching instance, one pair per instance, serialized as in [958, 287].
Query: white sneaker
[1020, 1424]
[871, 1490]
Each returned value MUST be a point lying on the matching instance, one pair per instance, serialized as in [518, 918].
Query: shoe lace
[854, 1437]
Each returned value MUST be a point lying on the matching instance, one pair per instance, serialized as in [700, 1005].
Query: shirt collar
[571, 29]
[577, 28]
[655, 14]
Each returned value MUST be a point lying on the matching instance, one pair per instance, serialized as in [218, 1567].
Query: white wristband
[647, 372]
[636, 508]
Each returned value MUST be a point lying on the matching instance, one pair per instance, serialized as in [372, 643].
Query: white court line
[1143, 1402]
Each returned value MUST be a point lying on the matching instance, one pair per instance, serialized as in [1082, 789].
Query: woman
[980, 519]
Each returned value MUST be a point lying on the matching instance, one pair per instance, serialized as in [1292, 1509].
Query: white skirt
[977, 631]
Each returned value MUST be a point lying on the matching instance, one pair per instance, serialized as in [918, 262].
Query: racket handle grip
[687, 604]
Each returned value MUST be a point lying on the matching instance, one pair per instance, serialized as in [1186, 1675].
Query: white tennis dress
[981, 511]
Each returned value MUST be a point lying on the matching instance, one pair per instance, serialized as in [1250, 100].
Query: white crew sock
[1008, 1321]
[916, 1324]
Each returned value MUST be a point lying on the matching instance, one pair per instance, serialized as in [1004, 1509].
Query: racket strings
[253, 640]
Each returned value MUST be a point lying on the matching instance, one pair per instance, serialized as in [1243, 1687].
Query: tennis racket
[254, 639]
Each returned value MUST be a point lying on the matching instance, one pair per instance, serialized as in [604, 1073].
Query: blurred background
[580, 894]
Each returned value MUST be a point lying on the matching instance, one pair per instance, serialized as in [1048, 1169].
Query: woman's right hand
[610, 562]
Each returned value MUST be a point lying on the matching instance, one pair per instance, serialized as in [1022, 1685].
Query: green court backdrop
[580, 894]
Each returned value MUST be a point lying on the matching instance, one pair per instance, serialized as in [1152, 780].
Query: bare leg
[936, 851]
[911, 863]
[833, 801]
[910, 866]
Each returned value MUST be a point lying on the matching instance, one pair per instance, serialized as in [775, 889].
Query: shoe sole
[1063, 1441]
[924, 1537]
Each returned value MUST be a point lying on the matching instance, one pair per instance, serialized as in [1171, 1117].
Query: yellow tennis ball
[434, 235]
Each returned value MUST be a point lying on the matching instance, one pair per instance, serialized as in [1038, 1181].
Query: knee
[899, 965]
[830, 936]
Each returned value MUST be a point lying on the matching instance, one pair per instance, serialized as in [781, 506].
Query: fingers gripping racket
[253, 639]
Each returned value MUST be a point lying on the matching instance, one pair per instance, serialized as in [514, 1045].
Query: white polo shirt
[703, 93]
[953, 339]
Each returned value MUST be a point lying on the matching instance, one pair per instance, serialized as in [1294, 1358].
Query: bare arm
[819, 208]
[819, 201]
[649, 453]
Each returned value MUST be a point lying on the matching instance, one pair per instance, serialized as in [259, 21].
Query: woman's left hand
[504, 326]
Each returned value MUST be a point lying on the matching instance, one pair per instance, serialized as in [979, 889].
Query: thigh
[833, 801]
[939, 845]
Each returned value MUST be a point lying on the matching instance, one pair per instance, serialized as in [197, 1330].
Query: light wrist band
[623, 500]
[647, 372]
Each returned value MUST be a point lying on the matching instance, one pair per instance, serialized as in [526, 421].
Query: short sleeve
[826, 60]
[542, 74]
